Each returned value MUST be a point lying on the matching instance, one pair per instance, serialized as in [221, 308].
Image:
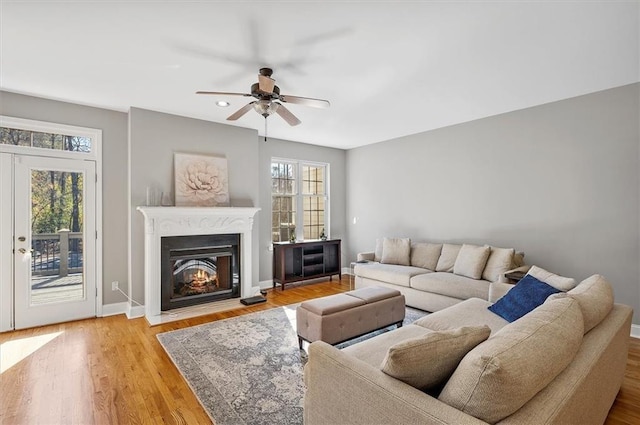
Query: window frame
[299, 195]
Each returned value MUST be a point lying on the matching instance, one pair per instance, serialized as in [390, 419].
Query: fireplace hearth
[199, 269]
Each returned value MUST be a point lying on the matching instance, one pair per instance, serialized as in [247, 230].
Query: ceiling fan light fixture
[265, 107]
[222, 103]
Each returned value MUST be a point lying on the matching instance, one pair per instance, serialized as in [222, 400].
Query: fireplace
[168, 222]
[199, 269]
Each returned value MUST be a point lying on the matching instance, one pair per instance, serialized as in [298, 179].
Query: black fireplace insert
[199, 269]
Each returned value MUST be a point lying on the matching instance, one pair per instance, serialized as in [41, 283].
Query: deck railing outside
[56, 253]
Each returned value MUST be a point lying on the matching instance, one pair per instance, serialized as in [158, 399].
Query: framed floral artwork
[200, 180]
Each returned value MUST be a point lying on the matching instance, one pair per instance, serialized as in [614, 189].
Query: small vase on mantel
[292, 235]
[323, 236]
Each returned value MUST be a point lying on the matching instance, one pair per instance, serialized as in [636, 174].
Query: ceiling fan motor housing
[259, 94]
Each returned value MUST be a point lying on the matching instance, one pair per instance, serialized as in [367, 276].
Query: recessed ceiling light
[222, 103]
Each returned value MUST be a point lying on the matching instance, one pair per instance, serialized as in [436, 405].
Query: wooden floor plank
[114, 371]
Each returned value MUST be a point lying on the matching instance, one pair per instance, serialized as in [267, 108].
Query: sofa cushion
[396, 251]
[528, 294]
[471, 312]
[428, 361]
[447, 257]
[451, 285]
[373, 350]
[425, 255]
[391, 273]
[595, 297]
[499, 376]
[499, 262]
[471, 261]
[377, 254]
[560, 282]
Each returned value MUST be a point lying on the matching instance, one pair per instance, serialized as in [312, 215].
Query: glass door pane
[56, 236]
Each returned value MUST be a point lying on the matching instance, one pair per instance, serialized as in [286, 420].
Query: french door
[54, 247]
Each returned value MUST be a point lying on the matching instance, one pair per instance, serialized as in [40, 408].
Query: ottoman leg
[300, 342]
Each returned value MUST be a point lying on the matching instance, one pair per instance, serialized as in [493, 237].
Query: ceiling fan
[269, 99]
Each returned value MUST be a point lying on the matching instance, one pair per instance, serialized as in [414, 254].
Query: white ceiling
[388, 68]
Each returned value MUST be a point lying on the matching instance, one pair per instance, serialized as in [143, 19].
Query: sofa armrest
[366, 256]
[342, 389]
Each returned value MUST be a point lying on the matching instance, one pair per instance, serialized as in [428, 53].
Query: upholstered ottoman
[338, 318]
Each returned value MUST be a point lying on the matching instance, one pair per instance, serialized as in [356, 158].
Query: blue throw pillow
[528, 294]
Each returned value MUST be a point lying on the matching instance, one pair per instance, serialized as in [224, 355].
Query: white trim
[135, 311]
[115, 308]
[635, 331]
[265, 284]
[6, 242]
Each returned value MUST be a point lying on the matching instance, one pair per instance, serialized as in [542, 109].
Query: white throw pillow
[396, 251]
[447, 257]
[425, 255]
[427, 361]
[499, 262]
[559, 282]
[471, 261]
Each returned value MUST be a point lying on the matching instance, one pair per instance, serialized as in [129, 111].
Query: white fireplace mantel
[184, 221]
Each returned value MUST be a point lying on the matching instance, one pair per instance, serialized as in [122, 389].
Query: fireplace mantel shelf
[183, 221]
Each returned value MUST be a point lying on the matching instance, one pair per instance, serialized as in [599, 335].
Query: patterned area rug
[247, 369]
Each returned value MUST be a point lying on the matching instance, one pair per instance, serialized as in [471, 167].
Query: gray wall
[336, 158]
[114, 172]
[154, 138]
[558, 181]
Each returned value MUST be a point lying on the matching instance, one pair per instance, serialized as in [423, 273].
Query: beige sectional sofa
[561, 363]
[434, 276]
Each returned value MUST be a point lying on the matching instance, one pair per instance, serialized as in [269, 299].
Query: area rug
[247, 369]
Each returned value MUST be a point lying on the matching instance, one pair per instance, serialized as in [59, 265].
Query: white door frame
[7, 153]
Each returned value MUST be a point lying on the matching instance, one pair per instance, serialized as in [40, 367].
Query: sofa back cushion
[425, 255]
[500, 375]
[499, 262]
[471, 261]
[396, 251]
[560, 282]
[377, 254]
[427, 361]
[447, 257]
[595, 297]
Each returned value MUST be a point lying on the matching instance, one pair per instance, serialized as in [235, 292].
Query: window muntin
[291, 207]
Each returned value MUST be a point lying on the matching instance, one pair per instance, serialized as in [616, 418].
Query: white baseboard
[266, 284]
[114, 309]
[635, 331]
[135, 311]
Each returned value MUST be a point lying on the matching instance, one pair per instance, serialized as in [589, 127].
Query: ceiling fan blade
[240, 112]
[291, 119]
[306, 101]
[266, 83]
[222, 93]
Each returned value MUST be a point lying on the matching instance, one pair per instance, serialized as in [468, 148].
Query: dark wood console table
[293, 262]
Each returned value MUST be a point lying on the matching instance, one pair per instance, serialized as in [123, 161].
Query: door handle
[22, 251]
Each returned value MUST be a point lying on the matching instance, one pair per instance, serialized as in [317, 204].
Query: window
[36, 139]
[299, 200]
[30, 137]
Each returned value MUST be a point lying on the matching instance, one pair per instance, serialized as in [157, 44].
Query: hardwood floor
[113, 370]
